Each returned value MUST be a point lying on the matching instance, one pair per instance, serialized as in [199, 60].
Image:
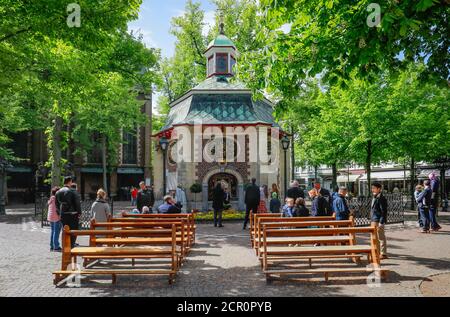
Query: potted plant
[195, 189]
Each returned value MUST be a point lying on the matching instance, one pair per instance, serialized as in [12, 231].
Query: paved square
[221, 264]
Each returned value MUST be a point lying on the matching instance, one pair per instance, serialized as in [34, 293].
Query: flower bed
[226, 215]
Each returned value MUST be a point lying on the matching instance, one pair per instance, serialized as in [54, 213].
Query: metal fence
[362, 206]
[41, 209]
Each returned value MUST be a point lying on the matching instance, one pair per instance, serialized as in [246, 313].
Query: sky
[154, 22]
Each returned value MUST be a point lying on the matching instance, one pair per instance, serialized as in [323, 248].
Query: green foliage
[196, 188]
[333, 39]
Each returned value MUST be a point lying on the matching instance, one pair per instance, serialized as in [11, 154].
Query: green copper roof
[217, 108]
[221, 40]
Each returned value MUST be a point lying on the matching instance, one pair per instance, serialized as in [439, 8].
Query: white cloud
[209, 22]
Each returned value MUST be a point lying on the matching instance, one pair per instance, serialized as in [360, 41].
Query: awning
[92, 170]
[348, 179]
[130, 170]
[19, 169]
[386, 175]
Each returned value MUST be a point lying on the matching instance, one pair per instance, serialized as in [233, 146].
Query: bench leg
[114, 278]
[325, 276]
[171, 279]
[310, 263]
[132, 262]
[269, 279]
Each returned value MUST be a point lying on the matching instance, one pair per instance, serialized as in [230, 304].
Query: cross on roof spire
[221, 22]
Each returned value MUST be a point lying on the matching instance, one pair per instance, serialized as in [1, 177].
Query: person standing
[68, 205]
[134, 193]
[218, 202]
[434, 186]
[340, 206]
[180, 197]
[379, 217]
[145, 197]
[264, 194]
[294, 191]
[423, 199]
[252, 197]
[319, 204]
[325, 193]
[55, 222]
[417, 192]
[100, 210]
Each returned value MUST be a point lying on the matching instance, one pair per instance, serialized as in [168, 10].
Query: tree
[336, 39]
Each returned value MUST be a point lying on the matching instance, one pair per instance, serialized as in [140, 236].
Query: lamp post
[285, 142]
[164, 144]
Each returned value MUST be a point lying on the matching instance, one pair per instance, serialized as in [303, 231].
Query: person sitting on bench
[169, 206]
[288, 208]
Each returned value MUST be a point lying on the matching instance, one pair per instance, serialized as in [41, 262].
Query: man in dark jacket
[294, 191]
[68, 206]
[252, 198]
[325, 193]
[145, 197]
[423, 203]
[434, 187]
[379, 216]
[218, 202]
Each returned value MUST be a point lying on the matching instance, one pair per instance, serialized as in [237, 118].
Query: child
[55, 222]
[288, 208]
[300, 209]
[419, 189]
[275, 203]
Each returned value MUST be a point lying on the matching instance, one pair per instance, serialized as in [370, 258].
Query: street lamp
[285, 142]
[3, 166]
[164, 144]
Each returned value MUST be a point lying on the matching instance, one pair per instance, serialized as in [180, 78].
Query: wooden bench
[190, 218]
[153, 237]
[188, 227]
[69, 255]
[302, 222]
[286, 250]
[255, 220]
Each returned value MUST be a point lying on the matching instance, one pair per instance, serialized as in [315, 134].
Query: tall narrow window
[129, 148]
[221, 63]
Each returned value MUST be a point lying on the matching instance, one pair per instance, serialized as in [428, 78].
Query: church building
[216, 132]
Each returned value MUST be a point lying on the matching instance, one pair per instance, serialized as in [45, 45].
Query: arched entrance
[230, 183]
[232, 177]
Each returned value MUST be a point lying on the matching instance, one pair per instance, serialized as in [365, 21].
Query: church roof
[221, 41]
[218, 108]
[220, 83]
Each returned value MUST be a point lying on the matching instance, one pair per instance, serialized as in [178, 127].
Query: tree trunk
[369, 167]
[293, 153]
[334, 171]
[105, 181]
[412, 177]
[56, 151]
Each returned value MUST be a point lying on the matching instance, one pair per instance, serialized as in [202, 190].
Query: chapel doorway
[230, 181]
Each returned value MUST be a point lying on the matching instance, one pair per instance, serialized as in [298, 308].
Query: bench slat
[318, 250]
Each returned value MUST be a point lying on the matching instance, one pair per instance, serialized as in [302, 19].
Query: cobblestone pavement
[221, 264]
